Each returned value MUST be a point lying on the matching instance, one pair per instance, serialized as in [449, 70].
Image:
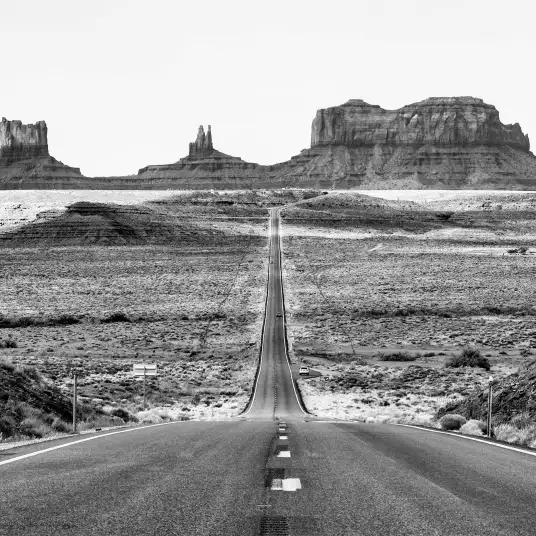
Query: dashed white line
[286, 484]
[283, 437]
[284, 454]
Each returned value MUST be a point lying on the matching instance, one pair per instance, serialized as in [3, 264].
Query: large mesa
[441, 143]
[454, 121]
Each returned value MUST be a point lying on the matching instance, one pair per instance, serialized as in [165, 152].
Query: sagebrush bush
[398, 356]
[474, 427]
[61, 426]
[7, 365]
[34, 427]
[8, 343]
[452, 421]
[116, 317]
[123, 414]
[469, 357]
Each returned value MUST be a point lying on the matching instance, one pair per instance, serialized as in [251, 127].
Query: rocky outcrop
[25, 161]
[442, 121]
[204, 167]
[202, 146]
[21, 142]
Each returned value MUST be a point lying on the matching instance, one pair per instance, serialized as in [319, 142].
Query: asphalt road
[274, 470]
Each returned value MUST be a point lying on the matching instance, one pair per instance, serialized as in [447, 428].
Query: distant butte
[202, 158]
[438, 143]
[25, 161]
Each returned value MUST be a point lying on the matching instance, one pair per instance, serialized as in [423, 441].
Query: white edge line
[285, 317]
[64, 445]
[469, 438]
[264, 320]
[423, 429]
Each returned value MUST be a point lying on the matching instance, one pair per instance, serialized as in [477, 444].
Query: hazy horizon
[123, 85]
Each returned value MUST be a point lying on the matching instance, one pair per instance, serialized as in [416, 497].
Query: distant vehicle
[278, 314]
[304, 370]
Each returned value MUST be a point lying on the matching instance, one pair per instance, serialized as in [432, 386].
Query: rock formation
[21, 142]
[457, 121]
[204, 167]
[202, 146]
[25, 161]
[439, 143]
[442, 142]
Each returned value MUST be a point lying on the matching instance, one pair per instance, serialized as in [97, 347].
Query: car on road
[304, 370]
[278, 314]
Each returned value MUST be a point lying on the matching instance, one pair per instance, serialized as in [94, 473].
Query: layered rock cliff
[20, 142]
[442, 142]
[25, 161]
[442, 121]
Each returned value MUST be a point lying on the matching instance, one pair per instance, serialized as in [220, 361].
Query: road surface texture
[273, 471]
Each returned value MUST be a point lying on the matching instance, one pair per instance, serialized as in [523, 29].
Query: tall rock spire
[202, 146]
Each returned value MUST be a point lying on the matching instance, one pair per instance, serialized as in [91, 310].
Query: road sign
[144, 370]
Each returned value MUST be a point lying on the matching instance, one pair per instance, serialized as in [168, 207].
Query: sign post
[144, 370]
[490, 400]
[74, 401]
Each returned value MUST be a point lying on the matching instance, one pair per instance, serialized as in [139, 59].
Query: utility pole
[74, 402]
[490, 400]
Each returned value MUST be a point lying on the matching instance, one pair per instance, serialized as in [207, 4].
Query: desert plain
[381, 288]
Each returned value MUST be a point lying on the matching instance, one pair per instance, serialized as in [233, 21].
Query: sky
[123, 84]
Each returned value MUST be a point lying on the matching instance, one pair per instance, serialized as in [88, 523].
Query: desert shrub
[123, 414]
[8, 343]
[28, 371]
[34, 427]
[115, 317]
[7, 425]
[523, 250]
[469, 357]
[61, 426]
[474, 427]
[444, 215]
[63, 320]
[7, 365]
[452, 421]
[515, 435]
[523, 419]
[398, 356]
[28, 321]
